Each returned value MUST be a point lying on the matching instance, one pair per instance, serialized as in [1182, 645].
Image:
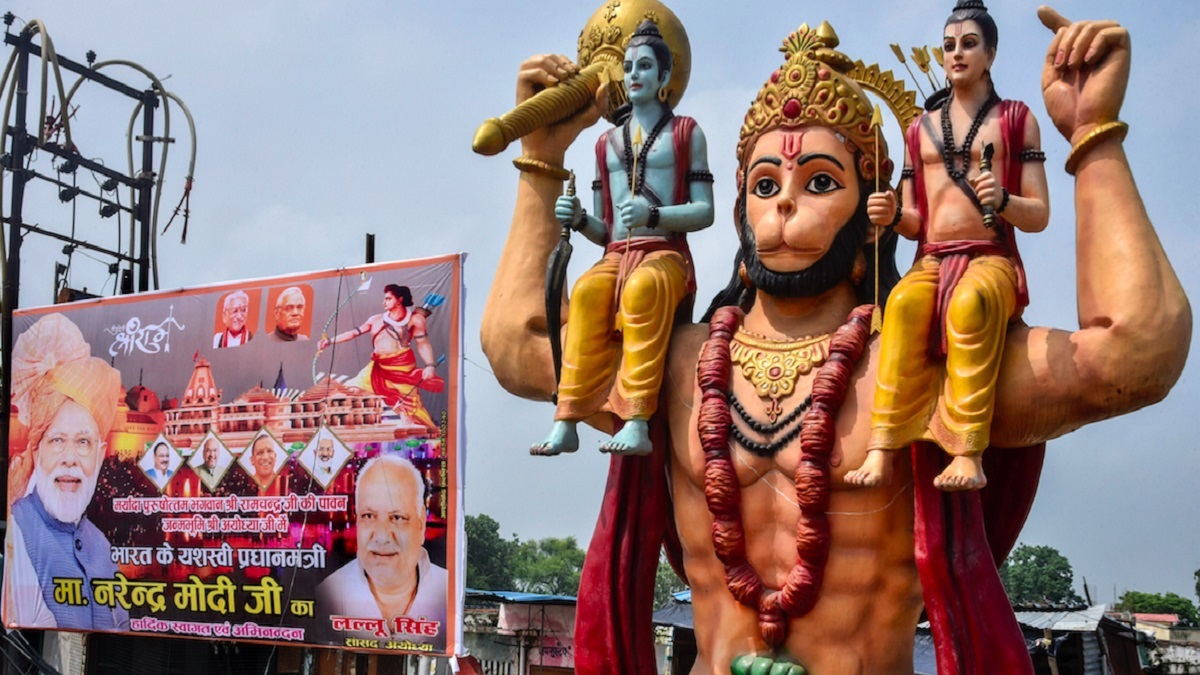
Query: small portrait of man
[160, 462]
[235, 314]
[324, 457]
[290, 315]
[67, 401]
[211, 461]
[391, 575]
[263, 459]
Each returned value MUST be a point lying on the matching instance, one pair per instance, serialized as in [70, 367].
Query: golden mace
[601, 54]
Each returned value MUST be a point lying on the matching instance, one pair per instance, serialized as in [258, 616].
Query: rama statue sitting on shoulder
[944, 331]
[653, 187]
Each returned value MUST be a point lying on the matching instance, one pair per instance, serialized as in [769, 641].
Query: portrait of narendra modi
[67, 400]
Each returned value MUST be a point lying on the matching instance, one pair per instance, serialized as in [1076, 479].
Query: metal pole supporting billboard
[18, 144]
[12, 266]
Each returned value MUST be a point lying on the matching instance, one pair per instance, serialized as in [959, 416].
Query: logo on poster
[148, 339]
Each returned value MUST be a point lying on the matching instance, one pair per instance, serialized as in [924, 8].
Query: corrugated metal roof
[1093, 656]
[517, 597]
[675, 613]
[1076, 620]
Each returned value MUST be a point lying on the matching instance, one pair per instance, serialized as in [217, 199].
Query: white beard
[63, 506]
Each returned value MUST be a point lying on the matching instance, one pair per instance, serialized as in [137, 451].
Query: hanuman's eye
[766, 187]
[822, 183]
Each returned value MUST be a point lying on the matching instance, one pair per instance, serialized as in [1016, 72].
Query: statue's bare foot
[876, 470]
[562, 438]
[964, 473]
[632, 439]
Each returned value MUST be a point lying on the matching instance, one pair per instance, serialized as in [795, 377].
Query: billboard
[274, 460]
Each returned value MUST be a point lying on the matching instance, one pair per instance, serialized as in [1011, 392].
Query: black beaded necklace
[951, 152]
[640, 179]
[764, 428]
[772, 448]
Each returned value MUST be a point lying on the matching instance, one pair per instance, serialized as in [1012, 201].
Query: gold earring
[663, 95]
[745, 276]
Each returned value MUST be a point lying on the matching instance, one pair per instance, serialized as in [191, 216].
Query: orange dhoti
[396, 377]
[593, 352]
[917, 395]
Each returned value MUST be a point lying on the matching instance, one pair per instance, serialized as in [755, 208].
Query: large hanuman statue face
[802, 214]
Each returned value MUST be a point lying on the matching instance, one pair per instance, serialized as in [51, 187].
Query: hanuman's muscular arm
[1135, 321]
[513, 333]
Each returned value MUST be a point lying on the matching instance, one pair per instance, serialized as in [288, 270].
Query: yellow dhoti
[917, 396]
[593, 352]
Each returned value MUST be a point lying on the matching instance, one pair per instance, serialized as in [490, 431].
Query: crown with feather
[814, 87]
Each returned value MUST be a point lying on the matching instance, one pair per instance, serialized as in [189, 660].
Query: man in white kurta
[391, 577]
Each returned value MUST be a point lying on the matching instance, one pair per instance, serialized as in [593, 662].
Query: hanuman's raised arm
[1134, 320]
[513, 333]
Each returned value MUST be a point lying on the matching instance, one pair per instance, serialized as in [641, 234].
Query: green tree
[666, 583]
[1039, 575]
[1197, 575]
[1157, 603]
[489, 556]
[551, 565]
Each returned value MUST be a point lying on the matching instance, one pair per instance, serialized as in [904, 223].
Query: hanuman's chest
[772, 424]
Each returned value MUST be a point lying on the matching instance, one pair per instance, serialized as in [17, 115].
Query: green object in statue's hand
[750, 664]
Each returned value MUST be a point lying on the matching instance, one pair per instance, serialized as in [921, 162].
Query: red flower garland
[800, 591]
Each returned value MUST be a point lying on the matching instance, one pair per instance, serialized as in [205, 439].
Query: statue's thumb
[1052, 19]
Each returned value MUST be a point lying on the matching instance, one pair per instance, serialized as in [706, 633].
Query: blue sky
[319, 122]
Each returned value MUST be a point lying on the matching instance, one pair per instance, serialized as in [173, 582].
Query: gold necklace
[773, 366]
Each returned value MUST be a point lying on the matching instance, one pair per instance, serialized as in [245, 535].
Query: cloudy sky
[319, 122]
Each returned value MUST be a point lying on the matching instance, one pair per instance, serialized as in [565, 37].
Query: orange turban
[51, 364]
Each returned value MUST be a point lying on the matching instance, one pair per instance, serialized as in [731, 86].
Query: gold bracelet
[1093, 138]
[538, 167]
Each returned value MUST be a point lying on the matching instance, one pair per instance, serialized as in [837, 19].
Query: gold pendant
[773, 366]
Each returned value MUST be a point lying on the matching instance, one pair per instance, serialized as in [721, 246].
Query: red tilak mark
[791, 144]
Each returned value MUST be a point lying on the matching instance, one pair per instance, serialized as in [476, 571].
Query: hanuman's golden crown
[819, 85]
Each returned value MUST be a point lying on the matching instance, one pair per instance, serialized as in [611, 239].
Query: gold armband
[1101, 133]
[537, 166]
